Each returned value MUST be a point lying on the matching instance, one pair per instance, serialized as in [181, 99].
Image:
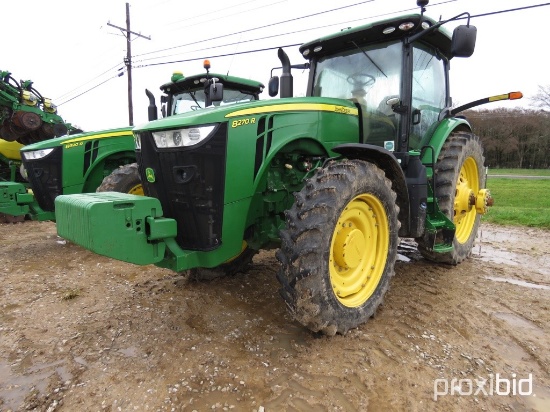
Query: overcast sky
[71, 53]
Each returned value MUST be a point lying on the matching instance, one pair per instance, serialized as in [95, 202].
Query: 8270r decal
[242, 122]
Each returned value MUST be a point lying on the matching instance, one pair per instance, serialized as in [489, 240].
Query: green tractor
[105, 160]
[374, 152]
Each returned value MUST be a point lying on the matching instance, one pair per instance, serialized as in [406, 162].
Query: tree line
[515, 138]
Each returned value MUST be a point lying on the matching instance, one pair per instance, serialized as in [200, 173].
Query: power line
[284, 34]
[89, 81]
[280, 34]
[218, 10]
[90, 89]
[221, 55]
[293, 45]
[232, 34]
[255, 28]
[507, 11]
[225, 16]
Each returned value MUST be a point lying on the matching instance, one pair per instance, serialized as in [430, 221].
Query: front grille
[45, 178]
[189, 182]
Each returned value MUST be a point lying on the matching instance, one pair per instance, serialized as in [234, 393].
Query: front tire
[339, 247]
[124, 179]
[459, 175]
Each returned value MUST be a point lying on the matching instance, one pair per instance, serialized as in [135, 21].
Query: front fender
[386, 161]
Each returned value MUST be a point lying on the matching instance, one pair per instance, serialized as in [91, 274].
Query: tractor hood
[231, 112]
[77, 138]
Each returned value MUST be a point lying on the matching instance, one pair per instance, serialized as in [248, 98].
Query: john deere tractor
[374, 152]
[105, 160]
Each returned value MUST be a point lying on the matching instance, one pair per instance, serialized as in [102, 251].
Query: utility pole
[128, 60]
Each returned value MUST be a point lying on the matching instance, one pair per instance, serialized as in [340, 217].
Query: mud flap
[117, 225]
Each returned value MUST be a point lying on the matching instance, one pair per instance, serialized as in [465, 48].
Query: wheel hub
[483, 200]
[359, 250]
[348, 248]
[464, 199]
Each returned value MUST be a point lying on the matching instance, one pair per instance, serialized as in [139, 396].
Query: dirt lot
[80, 332]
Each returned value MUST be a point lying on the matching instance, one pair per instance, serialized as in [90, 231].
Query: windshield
[195, 100]
[369, 75]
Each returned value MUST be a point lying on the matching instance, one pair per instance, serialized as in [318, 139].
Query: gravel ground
[81, 332]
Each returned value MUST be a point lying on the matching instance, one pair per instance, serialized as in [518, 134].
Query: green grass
[519, 202]
[523, 172]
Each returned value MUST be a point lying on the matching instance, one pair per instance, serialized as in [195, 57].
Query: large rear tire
[339, 247]
[459, 174]
[124, 179]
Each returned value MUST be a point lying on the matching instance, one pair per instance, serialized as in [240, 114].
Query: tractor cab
[396, 73]
[190, 93]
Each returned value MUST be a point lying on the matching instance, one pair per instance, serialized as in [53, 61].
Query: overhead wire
[91, 80]
[90, 89]
[256, 28]
[248, 30]
[279, 35]
[229, 15]
[376, 16]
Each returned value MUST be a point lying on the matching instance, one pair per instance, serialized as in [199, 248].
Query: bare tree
[542, 98]
[513, 137]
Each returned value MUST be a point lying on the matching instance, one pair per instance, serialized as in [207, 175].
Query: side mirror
[464, 41]
[273, 86]
[216, 92]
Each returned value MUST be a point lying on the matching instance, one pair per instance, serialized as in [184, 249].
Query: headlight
[137, 141]
[37, 154]
[182, 137]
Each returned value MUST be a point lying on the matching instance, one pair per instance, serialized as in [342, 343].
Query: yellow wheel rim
[359, 250]
[467, 187]
[137, 190]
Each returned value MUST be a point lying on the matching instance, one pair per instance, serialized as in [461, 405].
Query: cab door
[429, 94]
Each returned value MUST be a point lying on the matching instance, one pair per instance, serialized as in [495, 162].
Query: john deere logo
[150, 175]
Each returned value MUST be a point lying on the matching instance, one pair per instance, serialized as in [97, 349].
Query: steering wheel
[361, 79]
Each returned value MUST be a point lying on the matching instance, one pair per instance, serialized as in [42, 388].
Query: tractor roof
[374, 33]
[231, 82]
